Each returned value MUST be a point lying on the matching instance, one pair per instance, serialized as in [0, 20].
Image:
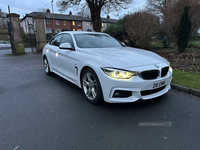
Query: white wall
[89, 26]
[85, 27]
[105, 25]
[24, 24]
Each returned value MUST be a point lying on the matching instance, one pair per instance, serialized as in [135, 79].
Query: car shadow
[138, 105]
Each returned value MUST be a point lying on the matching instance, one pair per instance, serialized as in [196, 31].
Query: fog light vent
[122, 94]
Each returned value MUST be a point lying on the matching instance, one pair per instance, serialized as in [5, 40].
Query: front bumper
[136, 85]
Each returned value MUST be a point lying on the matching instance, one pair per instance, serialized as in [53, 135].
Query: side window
[67, 39]
[56, 41]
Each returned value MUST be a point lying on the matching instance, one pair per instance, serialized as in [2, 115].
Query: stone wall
[4, 34]
[19, 44]
[40, 32]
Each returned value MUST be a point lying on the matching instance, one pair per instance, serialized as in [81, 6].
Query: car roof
[81, 32]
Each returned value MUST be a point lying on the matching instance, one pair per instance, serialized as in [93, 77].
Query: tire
[46, 66]
[91, 86]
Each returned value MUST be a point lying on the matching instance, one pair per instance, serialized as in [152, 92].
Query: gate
[10, 32]
[32, 38]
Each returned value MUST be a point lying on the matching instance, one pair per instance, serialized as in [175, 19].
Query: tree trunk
[96, 18]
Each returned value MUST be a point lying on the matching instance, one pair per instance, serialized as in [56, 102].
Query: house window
[47, 21]
[64, 23]
[91, 23]
[57, 30]
[57, 22]
[102, 24]
[101, 30]
[79, 29]
[87, 23]
[79, 23]
[48, 30]
[73, 23]
[74, 29]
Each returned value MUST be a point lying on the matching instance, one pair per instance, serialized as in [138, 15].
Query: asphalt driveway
[40, 112]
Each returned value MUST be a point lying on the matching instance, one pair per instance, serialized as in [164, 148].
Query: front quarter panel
[87, 61]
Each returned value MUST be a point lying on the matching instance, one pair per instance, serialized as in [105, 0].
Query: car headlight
[119, 74]
[170, 69]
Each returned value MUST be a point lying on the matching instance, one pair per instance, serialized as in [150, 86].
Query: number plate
[157, 85]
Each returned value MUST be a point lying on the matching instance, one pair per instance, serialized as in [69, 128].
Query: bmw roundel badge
[156, 66]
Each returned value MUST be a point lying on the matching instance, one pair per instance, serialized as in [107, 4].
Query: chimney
[108, 17]
[48, 11]
[70, 13]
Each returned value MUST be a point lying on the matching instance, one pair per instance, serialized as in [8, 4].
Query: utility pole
[10, 30]
[53, 18]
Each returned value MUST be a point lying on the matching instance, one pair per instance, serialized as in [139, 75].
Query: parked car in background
[5, 44]
[105, 68]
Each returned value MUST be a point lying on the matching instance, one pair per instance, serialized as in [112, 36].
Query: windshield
[96, 41]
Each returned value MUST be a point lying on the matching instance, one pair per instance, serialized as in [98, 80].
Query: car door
[66, 59]
[53, 52]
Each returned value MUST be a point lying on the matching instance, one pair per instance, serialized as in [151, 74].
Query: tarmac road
[40, 112]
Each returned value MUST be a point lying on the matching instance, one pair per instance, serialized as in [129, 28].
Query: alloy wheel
[90, 86]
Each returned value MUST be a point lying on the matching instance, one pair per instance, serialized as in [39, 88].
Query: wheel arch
[81, 72]
[44, 56]
[80, 79]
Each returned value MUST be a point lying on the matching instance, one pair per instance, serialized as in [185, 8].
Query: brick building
[62, 22]
[105, 22]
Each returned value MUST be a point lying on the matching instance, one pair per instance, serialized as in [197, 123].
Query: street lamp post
[53, 18]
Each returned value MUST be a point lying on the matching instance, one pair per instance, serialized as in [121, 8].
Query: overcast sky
[23, 7]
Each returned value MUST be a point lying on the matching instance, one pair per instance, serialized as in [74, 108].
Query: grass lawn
[157, 45]
[196, 43]
[186, 79]
[160, 45]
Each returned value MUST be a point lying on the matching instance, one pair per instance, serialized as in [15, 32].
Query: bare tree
[156, 6]
[43, 9]
[170, 12]
[165, 34]
[172, 15]
[95, 7]
[141, 27]
[84, 11]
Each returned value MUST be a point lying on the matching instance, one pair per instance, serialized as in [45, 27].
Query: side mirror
[65, 46]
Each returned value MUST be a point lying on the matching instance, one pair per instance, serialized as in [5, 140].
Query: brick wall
[64, 25]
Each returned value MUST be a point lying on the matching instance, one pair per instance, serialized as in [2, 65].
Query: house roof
[102, 19]
[66, 17]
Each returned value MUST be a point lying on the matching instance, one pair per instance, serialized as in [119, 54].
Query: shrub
[141, 27]
[184, 30]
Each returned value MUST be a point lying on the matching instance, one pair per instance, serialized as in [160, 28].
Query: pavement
[188, 90]
[4, 51]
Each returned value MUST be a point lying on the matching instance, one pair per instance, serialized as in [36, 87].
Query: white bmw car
[106, 69]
